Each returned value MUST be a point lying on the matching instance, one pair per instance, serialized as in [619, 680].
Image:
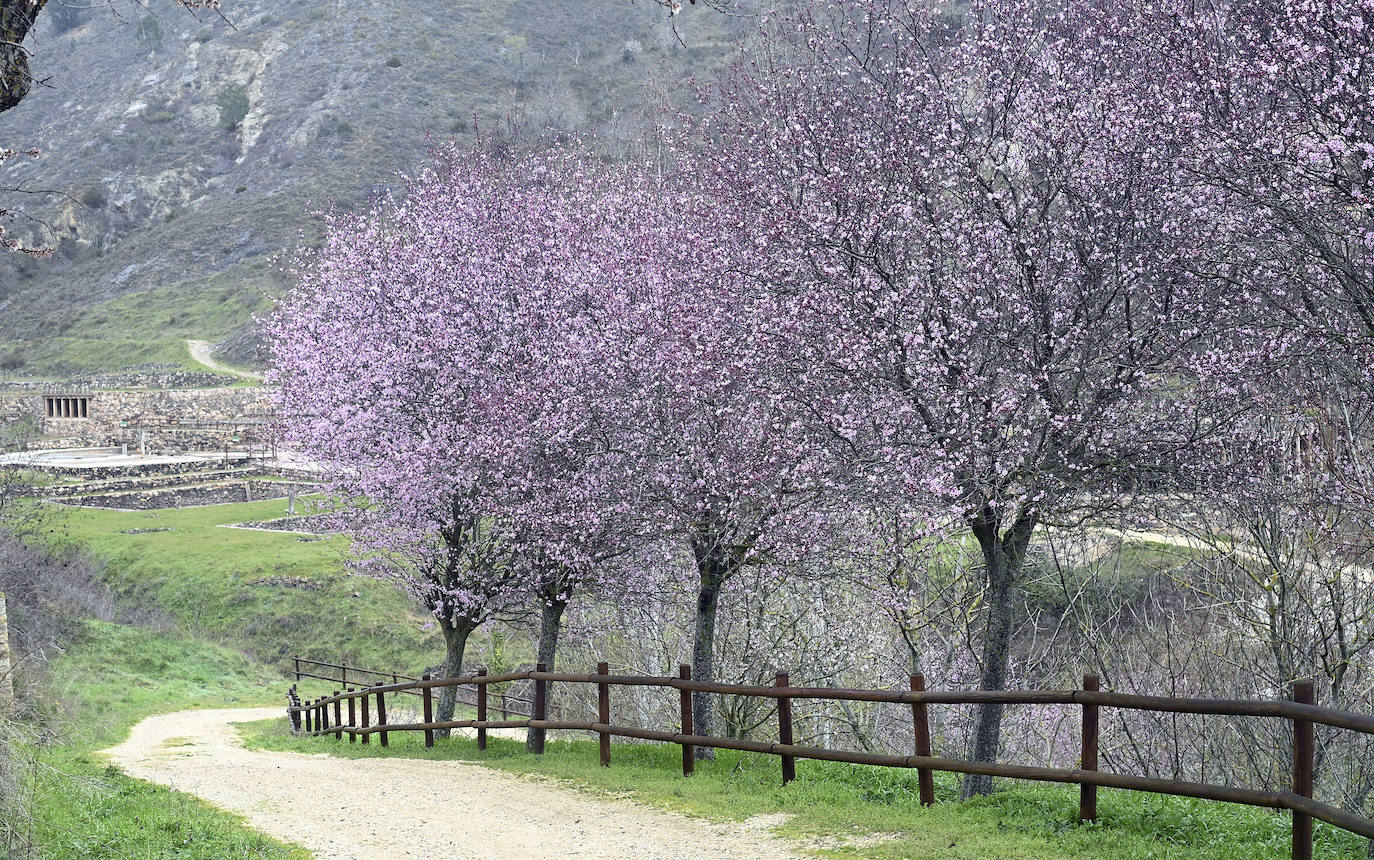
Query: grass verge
[272, 594]
[846, 811]
[112, 676]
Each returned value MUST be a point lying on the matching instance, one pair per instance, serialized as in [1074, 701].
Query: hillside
[173, 223]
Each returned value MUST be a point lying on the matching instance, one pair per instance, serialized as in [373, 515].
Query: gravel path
[383, 808]
[200, 351]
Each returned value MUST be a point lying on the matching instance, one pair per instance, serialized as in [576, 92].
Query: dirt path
[382, 808]
[200, 351]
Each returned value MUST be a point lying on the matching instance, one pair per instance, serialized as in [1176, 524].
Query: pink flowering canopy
[996, 277]
[913, 272]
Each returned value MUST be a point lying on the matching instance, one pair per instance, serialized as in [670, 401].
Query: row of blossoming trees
[916, 281]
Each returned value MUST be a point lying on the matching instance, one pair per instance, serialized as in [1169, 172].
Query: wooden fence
[315, 718]
[505, 703]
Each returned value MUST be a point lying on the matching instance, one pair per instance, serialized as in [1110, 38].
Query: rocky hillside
[191, 151]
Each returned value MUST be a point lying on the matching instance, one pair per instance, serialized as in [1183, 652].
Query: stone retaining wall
[142, 477]
[219, 493]
[115, 418]
[162, 379]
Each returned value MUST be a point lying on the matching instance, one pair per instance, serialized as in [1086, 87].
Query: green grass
[271, 594]
[115, 674]
[66, 355]
[109, 678]
[92, 811]
[840, 810]
[225, 591]
[149, 327]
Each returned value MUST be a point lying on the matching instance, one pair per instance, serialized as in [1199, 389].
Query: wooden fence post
[352, 716]
[920, 726]
[540, 704]
[689, 751]
[309, 707]
[603, 712]
[481, 711]
[344, 679]
[381, 713]
[789, 764]
[1087, 794]
[1303, 694]
[429, 712]
[322, 722]
[338, 717]
[298, 669]
[367, 718]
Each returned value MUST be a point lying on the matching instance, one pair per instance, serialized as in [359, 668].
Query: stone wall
[116, 417]
[140, 475]
[18, 405]
[219, 493]
[163, 379]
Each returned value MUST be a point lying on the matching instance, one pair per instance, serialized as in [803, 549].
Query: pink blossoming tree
[1000, 292]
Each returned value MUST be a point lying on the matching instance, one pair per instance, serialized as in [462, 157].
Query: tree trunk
[1003, 555]
[16, 19]
[713, 572]
[455, 643]
[550, 624]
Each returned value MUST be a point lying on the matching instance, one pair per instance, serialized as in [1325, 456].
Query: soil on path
[200, 351]
[383, 808]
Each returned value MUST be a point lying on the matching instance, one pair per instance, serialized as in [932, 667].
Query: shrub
[149, 33]
[233, 106]
[94, 197]
[14, 358]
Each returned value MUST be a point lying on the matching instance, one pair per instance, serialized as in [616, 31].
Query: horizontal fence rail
[345, 675]
[316, 718]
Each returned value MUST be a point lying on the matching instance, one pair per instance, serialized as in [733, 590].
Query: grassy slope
[841, 810]
[108, 680]
[209, 581]
[269, 593]
[205, 577]
[148, 327]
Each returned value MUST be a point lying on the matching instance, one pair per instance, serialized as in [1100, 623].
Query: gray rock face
[162, 190]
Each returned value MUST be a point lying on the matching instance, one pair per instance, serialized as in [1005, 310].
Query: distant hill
[193, 151]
